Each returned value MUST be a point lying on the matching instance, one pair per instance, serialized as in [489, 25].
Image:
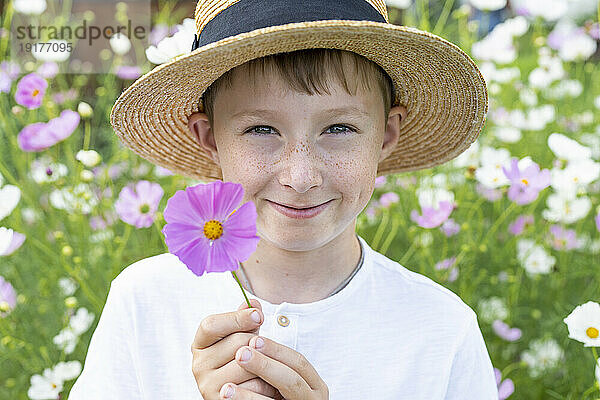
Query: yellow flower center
[144, 209]
[35, 92]
[592, 332]
[213, 229]
[575, 179]
[524, 181]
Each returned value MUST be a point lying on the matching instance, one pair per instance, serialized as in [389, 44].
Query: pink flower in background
[563, 239]
[597, 219]
[518, 226]
[433, 217]
[380, 181]
[9, 70]
[8, 297]
[128, 72]
[387, 199]
[450, 227]
[506, 332]
[489, 194]
[138, 207]
[506, 388]
[97, 222]
[206, 231]
[48, 70]
[447, 263]
[30, 91]
[41, 135]
[10, 241]
[526, 185]
[60, 97]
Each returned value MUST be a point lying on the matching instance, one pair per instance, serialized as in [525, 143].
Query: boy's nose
[301, 169]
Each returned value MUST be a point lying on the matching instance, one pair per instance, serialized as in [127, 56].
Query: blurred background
[521, 245]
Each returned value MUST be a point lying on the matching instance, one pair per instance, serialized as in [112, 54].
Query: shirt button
[283, 320]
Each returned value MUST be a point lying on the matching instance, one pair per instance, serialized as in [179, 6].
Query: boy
[309, 128]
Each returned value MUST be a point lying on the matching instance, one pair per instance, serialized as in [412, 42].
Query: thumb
[255, 304]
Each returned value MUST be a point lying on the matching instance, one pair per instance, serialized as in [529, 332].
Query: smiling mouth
[296, 208]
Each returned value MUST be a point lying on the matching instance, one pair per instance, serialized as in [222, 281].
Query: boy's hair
[306, 71]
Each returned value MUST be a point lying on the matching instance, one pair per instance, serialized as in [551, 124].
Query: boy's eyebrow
[331, 112]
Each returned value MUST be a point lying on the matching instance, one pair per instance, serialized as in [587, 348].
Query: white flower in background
[490, 173]
[492, 308]
[424, 239]
[10, 241]
[539, 117]
[439, 180]
[584, 324]
[430, 197]
[120, 43]
[402, 4]
[550, 10]
[507, 134]
[592, 141]
[542, 356]
[81, 321]
[597, 102]
[502, 75]
[572, 42]
[469, 157]
[67, 285]
[488, 5]
[566, 148]
[9, 198]
[30, 7]
[538, 261]
[173, 46]
[29, 215]
[584, 118]
[50, 384]
[66, 340]
[550, 69]
[47, 54]
[89, 158]
[566, 210]
[84, 109]
[565, 88]
[575, 177]
[77, 199]
[497, 46]
[528, 96]
[101, 235]
[44, 169]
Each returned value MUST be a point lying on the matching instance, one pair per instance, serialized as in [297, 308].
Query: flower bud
[67, 250]
[71, 302]
[89, 158]
[86, 175]
[84, 109]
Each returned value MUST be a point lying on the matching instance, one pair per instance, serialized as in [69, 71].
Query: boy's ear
[392, 130]
[201, 130]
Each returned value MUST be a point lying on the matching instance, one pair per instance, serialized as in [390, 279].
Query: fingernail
[255, 316]
[259, 343]
[246, 354]
[228, 392]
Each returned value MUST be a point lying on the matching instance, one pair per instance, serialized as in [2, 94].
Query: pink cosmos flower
[387, 199]
[48, 70]
[128, 72]
[30, 91]
[138, 207]
[506, 332]
[597, 219]
[489, 194]
[447, 263]
[526, 184]
[450, 228]
[563, 239]
[39, 136]
[8, 297]
[506, 388]
[9, 70]
[206, 231]
[380, 181]
[433, 217]
[519, 225]
[14, 239]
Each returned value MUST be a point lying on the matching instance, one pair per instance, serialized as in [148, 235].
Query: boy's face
[289, 148]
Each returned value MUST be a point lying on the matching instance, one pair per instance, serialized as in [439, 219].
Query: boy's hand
[284, 368]
[217, 339]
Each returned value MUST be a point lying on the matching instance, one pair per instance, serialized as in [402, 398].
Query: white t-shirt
[390, 333]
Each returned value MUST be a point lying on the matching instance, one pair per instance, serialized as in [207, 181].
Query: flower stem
[241, 287]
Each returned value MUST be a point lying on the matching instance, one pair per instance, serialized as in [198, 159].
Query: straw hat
[441, 87]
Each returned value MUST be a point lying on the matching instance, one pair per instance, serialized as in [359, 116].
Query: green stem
[509, 368]
[241, 287]
[443, 17]
[160, 235]
[390, 237]
[591, 390]
[380, 229]
[122, 245]
[87, 134]
[408, 253]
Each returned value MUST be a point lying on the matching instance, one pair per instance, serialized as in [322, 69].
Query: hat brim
[441, 87]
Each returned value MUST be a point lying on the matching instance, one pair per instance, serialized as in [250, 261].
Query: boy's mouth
[299, 207]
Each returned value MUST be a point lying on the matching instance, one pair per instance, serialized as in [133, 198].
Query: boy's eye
[262, 130]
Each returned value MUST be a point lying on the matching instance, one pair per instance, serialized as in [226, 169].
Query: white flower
[46, 386]
[120, 43]
[173, 46]
[402, 4]
[550, 10]
[488, 5]
[44, 169]
[566, 210]
[84, 109]
[29, 215]
[528, 97]
[577, 46]
[31, 7]
[10, 241]
[492, 308]
[81, 321]
[490, 173]
[584, 324]
[550, 69]
[565, 88]
[48, 54]
[597, 102]
[77, 199]
[9, 198]
[542, 355]
[567, 148]
[89, 158]
[538, 261]
[507, 134]
[101, 235]
[68, 370]
[67, 285]
[430, 197]
[469, 157]
[592, 141]
[575, 177]
[66, 340]
[424, 239]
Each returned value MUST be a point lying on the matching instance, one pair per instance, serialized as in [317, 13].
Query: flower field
[512, 225]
